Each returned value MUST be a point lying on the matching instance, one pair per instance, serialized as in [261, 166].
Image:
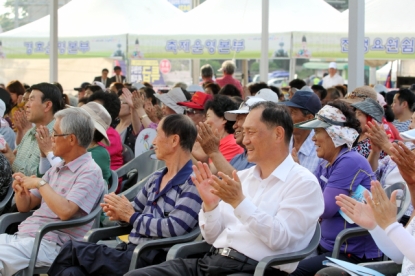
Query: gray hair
[76, 121]
[229, 67]
[206, 71]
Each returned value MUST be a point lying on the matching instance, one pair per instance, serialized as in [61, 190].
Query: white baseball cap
[268, 95]
[243, 108]
[171, 99]
[332, 65]
[100, 84]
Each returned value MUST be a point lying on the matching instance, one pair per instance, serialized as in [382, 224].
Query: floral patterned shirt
[363, 148]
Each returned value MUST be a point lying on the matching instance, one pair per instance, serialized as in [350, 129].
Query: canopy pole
[291, 66]
[263, 64]
[195, 70]
[53, 41]
[127, 60]
[372, 76]
[245, 71]
[356, 42]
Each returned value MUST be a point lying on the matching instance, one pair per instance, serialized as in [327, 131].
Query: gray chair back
[139, 168]
[403, 197]
[113, 182]
[7, 198]
[127, 154]
[94, 215]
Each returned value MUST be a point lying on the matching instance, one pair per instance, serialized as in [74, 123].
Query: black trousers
[83, 258]
[312, 265]
[332, 271]
[209, 265]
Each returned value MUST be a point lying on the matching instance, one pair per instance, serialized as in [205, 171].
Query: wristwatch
[41, 183]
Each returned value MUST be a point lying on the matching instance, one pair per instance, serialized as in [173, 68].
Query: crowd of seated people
[253, 171]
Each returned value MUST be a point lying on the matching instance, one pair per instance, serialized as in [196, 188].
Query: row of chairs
[146, 164]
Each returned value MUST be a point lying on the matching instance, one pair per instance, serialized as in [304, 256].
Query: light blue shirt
[307, 155]
[240, 162]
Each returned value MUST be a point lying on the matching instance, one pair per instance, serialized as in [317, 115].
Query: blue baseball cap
[305, 100]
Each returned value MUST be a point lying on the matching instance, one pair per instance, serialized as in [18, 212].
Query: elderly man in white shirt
[271, 208]
[333, 78]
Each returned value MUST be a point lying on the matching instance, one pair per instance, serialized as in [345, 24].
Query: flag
[388, 82]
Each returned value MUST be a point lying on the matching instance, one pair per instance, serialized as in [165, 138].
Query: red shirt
[228, 79]
[229, 148]
[115, 151]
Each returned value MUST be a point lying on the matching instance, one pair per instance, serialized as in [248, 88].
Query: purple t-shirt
[347, 172]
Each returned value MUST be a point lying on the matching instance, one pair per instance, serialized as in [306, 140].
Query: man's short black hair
[50, 93]
[184, 127]
[230, 90]
[321, 90]
[117, 68]
[275, 115]
[255, 87]
[219, 105]
[94, 88]
[297, 83]
[406, 95]
[105, 70]
[110, 101]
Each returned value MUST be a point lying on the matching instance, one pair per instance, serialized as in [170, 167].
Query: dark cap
[84, 85]
[305, 100]
[372, 108]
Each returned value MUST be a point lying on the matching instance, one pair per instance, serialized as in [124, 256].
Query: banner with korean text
[336, 45]
[205, 46]
[86, 47]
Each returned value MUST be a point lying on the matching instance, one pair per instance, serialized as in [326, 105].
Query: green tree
[7, 19]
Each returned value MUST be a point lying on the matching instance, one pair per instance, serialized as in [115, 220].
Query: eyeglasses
[59, 135]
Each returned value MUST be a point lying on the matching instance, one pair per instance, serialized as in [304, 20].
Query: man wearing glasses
[44, 101]
[195, 108]
[71, 188]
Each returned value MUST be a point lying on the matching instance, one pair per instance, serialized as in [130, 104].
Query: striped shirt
[170, 212]
[79, 181]
[402, 126]
[28, 153]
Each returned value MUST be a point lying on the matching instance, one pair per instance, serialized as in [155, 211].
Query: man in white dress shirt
[333, 78]
[269, 209]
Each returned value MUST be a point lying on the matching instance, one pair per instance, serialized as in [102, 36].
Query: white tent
[220, 17]
[93, 29]
[382, 73]
[388, 17]
[86, 18]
